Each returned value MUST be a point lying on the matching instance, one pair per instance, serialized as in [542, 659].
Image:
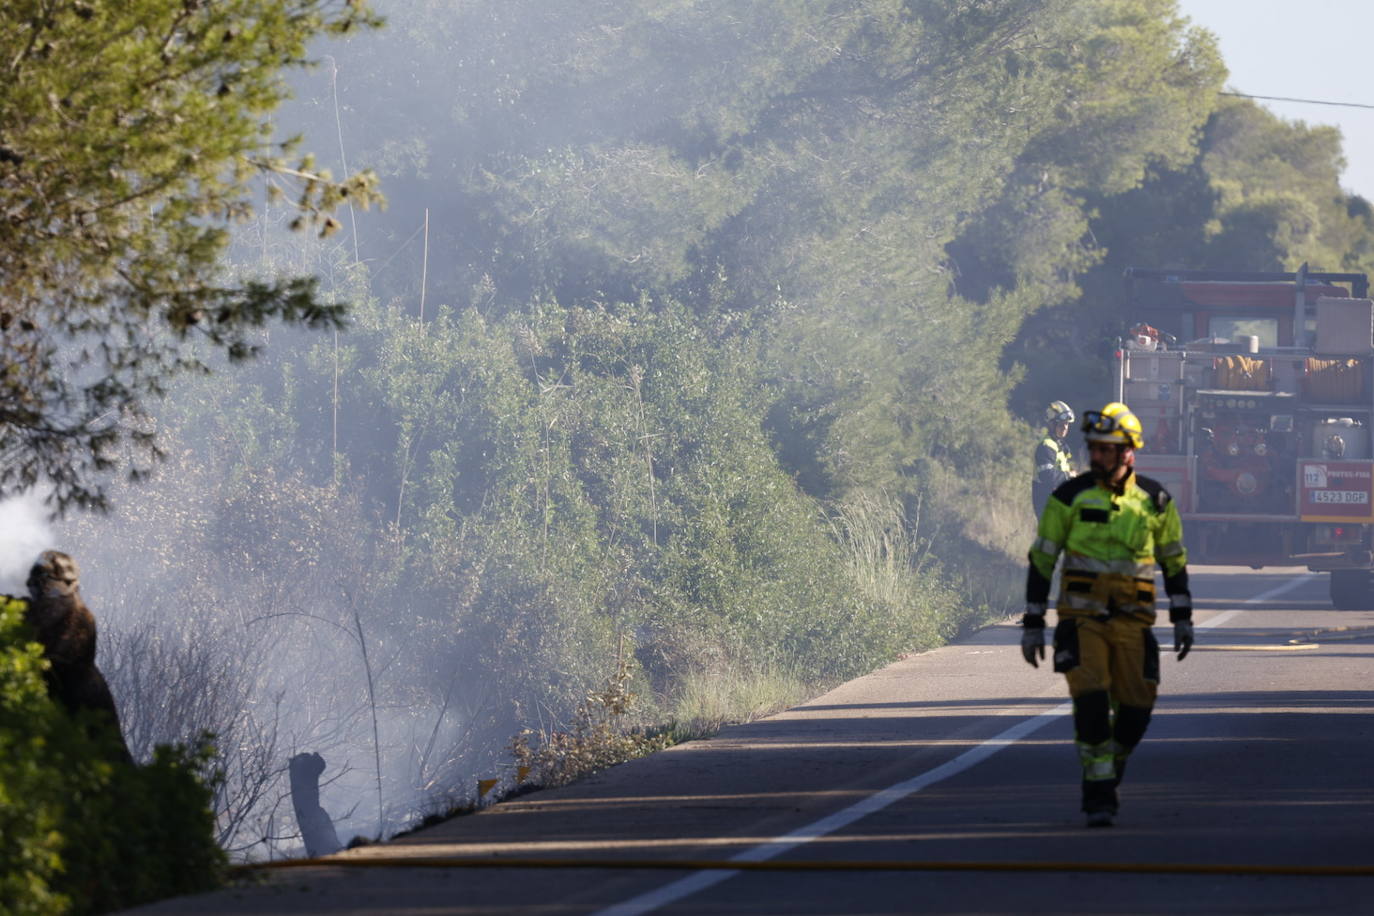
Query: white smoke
[24, 534]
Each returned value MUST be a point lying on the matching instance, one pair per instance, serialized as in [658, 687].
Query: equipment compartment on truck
[1256, 393]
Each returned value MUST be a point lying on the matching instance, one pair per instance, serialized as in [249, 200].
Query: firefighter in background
[1112, 526]
[1053, 462]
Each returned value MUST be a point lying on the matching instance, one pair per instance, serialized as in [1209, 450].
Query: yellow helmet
[1058, 412]
[1113, 423]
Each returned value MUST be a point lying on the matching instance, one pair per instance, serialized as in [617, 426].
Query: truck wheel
[1351, 590]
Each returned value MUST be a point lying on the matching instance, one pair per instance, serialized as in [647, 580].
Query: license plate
[1344, 497]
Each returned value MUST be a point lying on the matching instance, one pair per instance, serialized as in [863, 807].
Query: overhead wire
[1284, 98]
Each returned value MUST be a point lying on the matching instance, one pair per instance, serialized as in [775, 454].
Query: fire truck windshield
[1266, 329]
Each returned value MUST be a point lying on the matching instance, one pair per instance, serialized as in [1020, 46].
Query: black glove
[1181, 615]
[1183, 638]
[1033, 634]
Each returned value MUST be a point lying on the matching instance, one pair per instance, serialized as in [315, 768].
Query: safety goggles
[1095, 421]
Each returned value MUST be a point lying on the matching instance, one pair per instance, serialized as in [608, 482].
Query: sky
[1308, 50]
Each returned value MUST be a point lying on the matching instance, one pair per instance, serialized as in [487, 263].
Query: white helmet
[1058, 412]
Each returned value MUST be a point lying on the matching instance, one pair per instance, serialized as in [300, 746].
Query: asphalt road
[1258, 764]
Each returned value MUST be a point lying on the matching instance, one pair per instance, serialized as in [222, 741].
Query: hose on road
[1148, 868]
[1337, 634]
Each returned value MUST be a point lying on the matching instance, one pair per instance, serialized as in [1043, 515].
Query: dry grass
[707, 701]
[886, 554]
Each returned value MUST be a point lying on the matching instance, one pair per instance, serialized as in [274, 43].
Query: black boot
[1099, 802]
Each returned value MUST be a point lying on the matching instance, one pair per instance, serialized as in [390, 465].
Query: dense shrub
[79, 832]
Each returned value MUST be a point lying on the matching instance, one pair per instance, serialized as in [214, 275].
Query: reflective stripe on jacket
[1052, 458]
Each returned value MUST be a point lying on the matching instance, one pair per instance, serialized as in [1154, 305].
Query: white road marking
[700, 881]
[1274, 592]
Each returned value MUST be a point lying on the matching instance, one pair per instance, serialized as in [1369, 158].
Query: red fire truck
[1255, 393]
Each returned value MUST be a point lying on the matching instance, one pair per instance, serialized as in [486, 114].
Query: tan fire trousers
[1118, 655]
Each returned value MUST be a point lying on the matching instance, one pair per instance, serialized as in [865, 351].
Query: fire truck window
[1266, 329]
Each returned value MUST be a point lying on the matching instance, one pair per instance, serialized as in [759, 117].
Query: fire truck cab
[1255, 394]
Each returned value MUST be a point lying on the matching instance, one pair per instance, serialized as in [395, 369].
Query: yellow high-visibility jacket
[1111, 542]
[1053, 466]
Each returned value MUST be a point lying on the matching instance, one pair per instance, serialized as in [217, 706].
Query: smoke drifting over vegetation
[24, 533]
[695, 335]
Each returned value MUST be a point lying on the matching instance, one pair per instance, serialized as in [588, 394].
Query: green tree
[1277, 196]
[131, 136]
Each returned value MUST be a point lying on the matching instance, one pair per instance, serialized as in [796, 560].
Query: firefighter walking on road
[1053, 461]
[1112, 526]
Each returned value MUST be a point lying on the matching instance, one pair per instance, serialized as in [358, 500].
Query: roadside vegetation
[690, 363]
[80, 830]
